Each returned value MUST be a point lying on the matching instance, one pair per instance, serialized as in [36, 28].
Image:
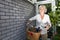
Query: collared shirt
[41, 23]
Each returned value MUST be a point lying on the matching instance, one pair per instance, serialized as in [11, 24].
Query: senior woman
[42, 21]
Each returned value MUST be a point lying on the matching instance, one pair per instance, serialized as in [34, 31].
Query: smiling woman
[49, 8]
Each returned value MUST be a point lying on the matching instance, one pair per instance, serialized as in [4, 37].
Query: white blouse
[41, 23]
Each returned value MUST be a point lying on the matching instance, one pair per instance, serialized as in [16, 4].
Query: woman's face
[42, 10]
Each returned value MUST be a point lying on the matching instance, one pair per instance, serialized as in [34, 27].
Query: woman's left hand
[47, 27]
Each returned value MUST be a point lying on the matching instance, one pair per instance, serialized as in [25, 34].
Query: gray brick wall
[13, 16]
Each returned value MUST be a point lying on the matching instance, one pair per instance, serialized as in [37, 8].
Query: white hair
[45, 9]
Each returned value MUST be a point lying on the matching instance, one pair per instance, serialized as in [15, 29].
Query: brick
[8, 0]
[9, 14]
[1, 5]
[2, 13]
[2, 21]
[4, 17]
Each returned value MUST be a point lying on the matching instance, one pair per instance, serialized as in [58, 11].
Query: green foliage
[57, 37]
[53, 17]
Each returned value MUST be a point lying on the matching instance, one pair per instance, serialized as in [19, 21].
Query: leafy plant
[53, 18]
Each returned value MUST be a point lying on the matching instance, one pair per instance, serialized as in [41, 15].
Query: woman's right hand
[28, 22]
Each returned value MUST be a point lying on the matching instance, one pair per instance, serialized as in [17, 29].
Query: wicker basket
[32, 35]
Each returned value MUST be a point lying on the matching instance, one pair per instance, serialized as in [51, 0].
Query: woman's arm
[48, 23]
[31, 19]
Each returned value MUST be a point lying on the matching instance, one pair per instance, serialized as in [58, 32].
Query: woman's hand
[47, 27]
[28, 22]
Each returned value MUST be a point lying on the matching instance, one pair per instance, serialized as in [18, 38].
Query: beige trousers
[44, 36]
